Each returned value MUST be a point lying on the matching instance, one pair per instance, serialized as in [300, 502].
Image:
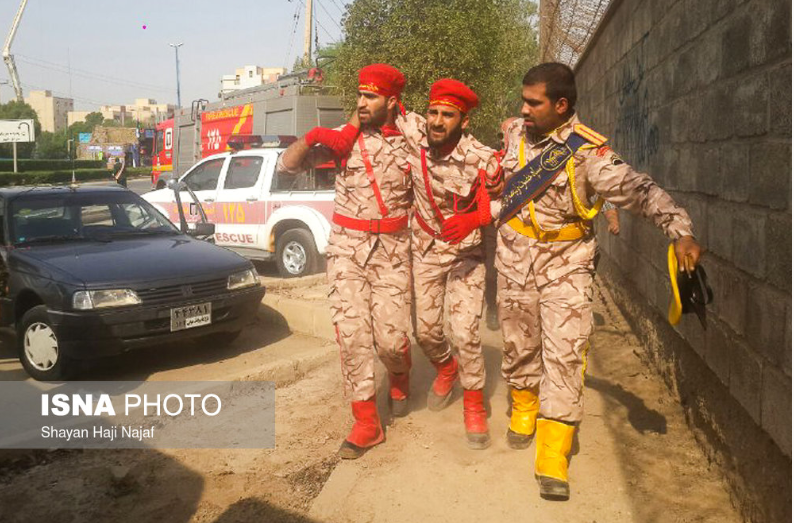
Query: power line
[91, 75]
[296, 19]
[327, 32]
[339, 6]
[64, 95]
[329, 14]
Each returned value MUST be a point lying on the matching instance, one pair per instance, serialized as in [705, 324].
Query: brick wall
[698, 94]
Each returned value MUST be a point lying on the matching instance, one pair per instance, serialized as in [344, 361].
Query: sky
[114, 60]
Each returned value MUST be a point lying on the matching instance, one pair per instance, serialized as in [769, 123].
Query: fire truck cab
[258, 212]
[162, 154]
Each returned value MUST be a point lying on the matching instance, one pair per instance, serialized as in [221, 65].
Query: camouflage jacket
[598, 171]
[451, 178]
[355, 198]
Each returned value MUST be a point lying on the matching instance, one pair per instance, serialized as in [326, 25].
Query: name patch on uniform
[534, 178]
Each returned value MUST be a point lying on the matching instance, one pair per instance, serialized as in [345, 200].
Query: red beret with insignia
[381, 79]
[453, 93]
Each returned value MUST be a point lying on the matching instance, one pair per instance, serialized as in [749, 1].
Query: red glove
[458, 227]
[340, 142]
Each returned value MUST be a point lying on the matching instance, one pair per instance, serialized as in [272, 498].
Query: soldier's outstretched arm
[412, 127]
[637, 193]
[301, 156]
[336, 144]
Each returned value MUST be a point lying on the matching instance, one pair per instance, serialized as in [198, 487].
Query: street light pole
[178, 95]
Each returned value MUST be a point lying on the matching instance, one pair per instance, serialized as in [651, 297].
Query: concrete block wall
[698, 94]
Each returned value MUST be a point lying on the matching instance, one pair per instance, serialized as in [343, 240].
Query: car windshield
[77, 216]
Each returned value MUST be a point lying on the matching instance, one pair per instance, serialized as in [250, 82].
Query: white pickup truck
[258, 213]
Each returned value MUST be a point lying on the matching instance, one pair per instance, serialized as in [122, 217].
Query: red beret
[381, 79]
[454, 93]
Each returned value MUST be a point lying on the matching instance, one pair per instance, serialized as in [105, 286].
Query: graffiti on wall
[635, 135]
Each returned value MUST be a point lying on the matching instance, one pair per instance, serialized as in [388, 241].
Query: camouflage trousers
[370, 308]
[546, 331]
[458, 284]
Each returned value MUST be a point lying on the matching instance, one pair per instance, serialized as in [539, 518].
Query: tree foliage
[488, 44]
[52, 146]
[91, 121]
[15, 110]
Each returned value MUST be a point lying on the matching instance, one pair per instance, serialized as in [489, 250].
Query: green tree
[91, 121]
[326, 60]
[51, 146]
[15, 110]
[94, 119]
[488, 44]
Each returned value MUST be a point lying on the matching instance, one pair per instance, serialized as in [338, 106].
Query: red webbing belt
[428, 189]
[371, 175]
[382, 226]
[426, 227]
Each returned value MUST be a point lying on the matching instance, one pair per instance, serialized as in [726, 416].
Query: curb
[287, 372]
[304, 317]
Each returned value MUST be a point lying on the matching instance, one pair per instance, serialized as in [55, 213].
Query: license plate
[191, 316]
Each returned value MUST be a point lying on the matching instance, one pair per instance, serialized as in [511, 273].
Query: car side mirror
[202, 229]
[172, 184]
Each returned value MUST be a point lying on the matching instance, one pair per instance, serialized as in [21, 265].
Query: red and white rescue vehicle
[257, 212]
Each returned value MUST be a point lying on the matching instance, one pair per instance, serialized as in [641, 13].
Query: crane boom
[8, 58]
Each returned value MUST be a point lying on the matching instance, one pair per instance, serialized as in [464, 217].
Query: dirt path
[636, 461]
[126, 486]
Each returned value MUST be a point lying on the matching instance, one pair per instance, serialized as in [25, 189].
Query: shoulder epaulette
[589, 135]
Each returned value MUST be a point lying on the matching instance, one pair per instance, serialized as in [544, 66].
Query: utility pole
[176, 51]
[307, 36]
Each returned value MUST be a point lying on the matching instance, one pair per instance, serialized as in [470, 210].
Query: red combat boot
[476, 420]
[441, 391]
[367, 431]
[399, 385]
[398, 394]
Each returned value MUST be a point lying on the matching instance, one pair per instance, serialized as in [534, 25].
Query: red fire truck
[163, 149]
[216, 128]
[291, 106]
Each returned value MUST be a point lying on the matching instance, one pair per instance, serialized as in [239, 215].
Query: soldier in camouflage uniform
[369, 248]
[545, 262]
[451, 173]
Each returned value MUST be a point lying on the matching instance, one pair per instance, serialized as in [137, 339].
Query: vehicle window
[35, 219]
[84, 216]
[243, 172]
[96, 215]
[317, 179]
[158, 143]
[324, 178]
[138, 216]
[205, 176]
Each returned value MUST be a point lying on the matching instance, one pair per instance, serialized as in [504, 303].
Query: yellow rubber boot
[523, 413]
[553, 446]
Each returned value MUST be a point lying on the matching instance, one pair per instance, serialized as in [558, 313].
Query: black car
[96, 271]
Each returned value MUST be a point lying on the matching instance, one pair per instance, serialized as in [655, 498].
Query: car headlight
[87, 300]
[243, 279]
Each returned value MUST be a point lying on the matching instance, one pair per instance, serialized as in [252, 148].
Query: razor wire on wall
[566, 26]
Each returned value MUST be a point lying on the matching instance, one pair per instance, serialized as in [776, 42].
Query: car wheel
[296, 254]
[39, 350]
[220, 339]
